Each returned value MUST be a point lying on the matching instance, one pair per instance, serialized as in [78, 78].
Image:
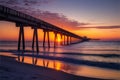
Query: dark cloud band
[102, 27]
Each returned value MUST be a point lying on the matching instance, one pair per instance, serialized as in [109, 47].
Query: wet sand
[10, 69]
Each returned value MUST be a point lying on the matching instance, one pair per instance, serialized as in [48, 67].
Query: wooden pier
[23, 20]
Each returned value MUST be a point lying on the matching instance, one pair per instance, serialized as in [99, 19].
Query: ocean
[99, 59]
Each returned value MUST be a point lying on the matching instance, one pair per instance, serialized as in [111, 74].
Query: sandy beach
[10, 69]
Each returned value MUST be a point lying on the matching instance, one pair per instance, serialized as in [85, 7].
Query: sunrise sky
[99, 19]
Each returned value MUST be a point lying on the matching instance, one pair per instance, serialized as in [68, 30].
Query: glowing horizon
[13, 32]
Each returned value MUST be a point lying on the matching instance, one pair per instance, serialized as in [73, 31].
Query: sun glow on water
[58, 39]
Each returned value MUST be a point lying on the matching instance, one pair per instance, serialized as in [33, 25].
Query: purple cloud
[29, 7]
[58, 19]
[24, 2]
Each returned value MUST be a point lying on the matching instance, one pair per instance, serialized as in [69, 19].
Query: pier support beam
[46, 31]
[61, 42]
[44, 38]
[55, 38]
[64, 39]
[67, 40]
[35, 37]
[21, 38]
[70, 39]
[48, 39]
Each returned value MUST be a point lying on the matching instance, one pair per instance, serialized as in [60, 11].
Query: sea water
[99, 59]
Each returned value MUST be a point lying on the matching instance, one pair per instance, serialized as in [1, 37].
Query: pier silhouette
[24, 20]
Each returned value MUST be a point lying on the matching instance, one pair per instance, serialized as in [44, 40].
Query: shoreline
[11, 69]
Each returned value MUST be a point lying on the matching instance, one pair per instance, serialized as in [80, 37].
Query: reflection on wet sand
[20, 58]
[41, 61]
[45, 62]
[34, 60]
[81, 70]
